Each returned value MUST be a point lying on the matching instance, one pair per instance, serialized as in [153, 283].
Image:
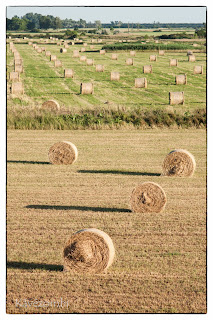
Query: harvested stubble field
[160, 264]
[42, 81]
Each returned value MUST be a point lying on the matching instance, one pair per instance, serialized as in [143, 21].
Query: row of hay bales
[16, 87]
[92, 250]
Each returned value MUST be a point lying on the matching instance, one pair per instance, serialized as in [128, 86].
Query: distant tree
[98, 24]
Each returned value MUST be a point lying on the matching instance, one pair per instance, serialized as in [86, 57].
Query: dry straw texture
[153, 58]
[161, 52]
[179, 163]
[198, 69]
[18, 62]
[176, 97]
[53, 57]
[43, 48]
[18, 68]
[173, 62]
[66, 46]
[189, 52]
[83, 49]
[102, 51]
[99, 68]
[132, 53]
[76, 54]
[63, 50]
[83, 58]
[140, 83]
[51, 105]
[148, 197]
[90, 62]
[88, 251]
[86, 88]
[57, 63]
[114, 56]
[129, 62]
[68, 73]
[63, 153]
[147, 69]
[17, 88]
[39, 50]
[181, 79]
[115, 76]
[191, 58]
[14, 76]
[84, 44]
[48, 53]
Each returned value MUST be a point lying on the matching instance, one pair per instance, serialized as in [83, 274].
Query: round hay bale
[84, 44]
[14, 76]
[88, 251]
[191, 58]
[68, 73]
[148, 197]
[114, 76]
[18, 62]
[86, 88]
[179, 163]
[198, 69]
[66, 46]
[132, 53]
[53, 57]
[102, 51]
[99, 68]
[30, 43]
[181, 79]
[63, 153]
[147, 69]
[51, 105]
[17, 88]
[161, 52]
[76, 54]
[39, 50]
[18, 68]
[90, 62]
[63, 50]
[43, 49]
[129, 62]
[83, 49]
[140, 83]
[173, 62]
[189, 52]
[153, 58]
[176, 97]
[114, 56]
[47, 53]
[57, 63]
[83, 58]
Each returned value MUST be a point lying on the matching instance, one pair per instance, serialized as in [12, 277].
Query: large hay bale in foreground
[53, 57]
[14, 76]
[68, 73]
[88, 251]
[140, 83]
[51, 105]
[198, 69]
[114, 76]
[57, 63]
[63, 152]
[114, 56]
[90, 62]
[191, 58]
[181, 79]
[173, 62]
[99, 68]
[132, 53]
[86, 88]
[148, 197]
[179, 163]
[152, 58]
[63, 50]
[83, 58]
[161, 52]
[176, 97]
[17, 88]
[129, 62]
[147, 69]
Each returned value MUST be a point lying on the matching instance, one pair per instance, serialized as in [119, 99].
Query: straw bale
[83, 58]
[17, 88]
[47, 53]
[148, 197]
[86, 88]
[85, 44]
[140, 83]
[57, 63]
[30, 43]
[51, 105]
[153, 58]
[66, 46]
[132, 53]
[129, 62]
[14, 76]
[173, 62]
[91, 47]
[114, 56]
[147, 69]
[176, 98]
[181, 79]
[63, 152]
[99, 68]
[76, 54]
[90, 62]
[102, 51]
[179, 163]
[53, 57]
[83, 49]
[68, 73]
[198, 69]
[63, 50]
[115, 76]
[191, 58]
[43, 49]
[88, 251]
[189, 52]
[18, 68]
[18, 62]
[39, 50]
[161, 52]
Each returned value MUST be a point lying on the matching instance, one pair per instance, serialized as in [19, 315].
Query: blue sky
[124, 14]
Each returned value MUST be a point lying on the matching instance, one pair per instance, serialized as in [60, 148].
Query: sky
[124, 14]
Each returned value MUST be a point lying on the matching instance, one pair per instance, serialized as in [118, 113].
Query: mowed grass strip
[160, 263]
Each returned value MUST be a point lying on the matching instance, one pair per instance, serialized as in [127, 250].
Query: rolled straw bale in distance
[189, 52]
[76, 54]
[63, 50]
[43, 49]
[91, 47]
[83, 58]
[99, 68]
[57, 63]
[66, 46]
[129, 62]
[84, 44]
[17, 88]
[39, 50]
[153, 58]
[132, 53]
[14, 76]
[51, 105]
[191, 58]
[68, 73]
[47, 53]
[86, 88]
[114, 56]
[53, 57]
[147, 69]
[114, 76]
[18, 62]
[83, 49]
[176, 97]
[90, 62]
[88, 251]
[140, 83]
[181, 79]
[102, 51]
[198, 69]
[148, 197]
[63, 152]
[173, 62]
[18, 68]
[30, 43]
[161, 52]
[179, 163]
